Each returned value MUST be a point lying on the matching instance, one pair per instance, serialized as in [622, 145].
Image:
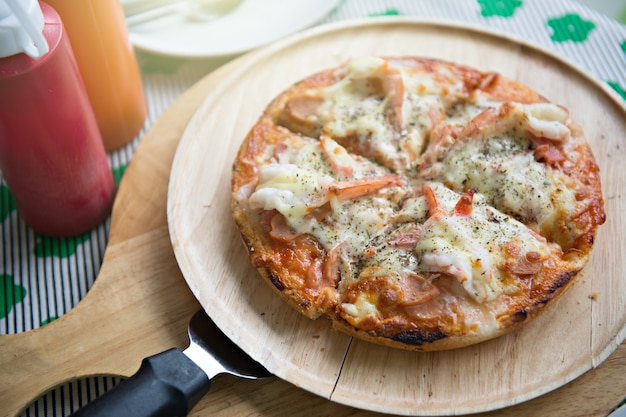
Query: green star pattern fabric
[7, 202]
[565, 27]
[118, 173]
[501, 8]
[388, 12]
[570, 27]
[10, 294]
[618, 88]
[59, 247]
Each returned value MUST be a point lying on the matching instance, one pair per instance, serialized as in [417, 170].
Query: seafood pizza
[417, 203]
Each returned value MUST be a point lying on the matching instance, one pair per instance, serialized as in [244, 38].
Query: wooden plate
[573, 336]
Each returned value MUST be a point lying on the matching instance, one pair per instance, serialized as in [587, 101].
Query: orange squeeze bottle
[99, 37]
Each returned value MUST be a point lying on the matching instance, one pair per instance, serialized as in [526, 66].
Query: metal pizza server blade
[172, 382]
[216, 354]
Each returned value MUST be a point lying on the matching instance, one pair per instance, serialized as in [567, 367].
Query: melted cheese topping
[353, 106]
[361, 309]
[409, 235]
[363, 106]
[501, 167]
[469, 247]
[294, 182]
[298, 182]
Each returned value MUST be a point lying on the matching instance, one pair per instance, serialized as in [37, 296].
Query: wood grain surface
[567, 340]
[140, 305]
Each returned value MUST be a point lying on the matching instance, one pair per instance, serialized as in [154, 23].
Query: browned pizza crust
[414, 282]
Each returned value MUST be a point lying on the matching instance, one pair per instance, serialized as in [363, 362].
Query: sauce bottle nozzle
[21, 26]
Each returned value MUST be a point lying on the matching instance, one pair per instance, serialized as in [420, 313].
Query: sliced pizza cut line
[454, 264]
[418, 204]
[524, 175]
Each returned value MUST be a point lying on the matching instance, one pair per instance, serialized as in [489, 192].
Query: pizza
[416, 203]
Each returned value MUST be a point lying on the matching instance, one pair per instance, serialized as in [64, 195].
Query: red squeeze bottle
[51, 152]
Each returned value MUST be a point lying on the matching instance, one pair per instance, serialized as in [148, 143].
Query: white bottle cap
[21, 27]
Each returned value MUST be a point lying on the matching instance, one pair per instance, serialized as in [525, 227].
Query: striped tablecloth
[43, 278]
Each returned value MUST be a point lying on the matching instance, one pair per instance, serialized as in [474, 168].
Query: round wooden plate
[574, 335]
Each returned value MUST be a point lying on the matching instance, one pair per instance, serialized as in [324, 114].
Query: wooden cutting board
[140, 305]
[579, 330]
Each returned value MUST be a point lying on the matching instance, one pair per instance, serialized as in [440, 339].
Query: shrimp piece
[464, 205]
[498, 88]
[340, 161]
[350, 190]
[546, 120]
[330, 271]
[468, 263]
[388, 81]
[538, 120]
[385, 80]
[490, 121]
[434, 208]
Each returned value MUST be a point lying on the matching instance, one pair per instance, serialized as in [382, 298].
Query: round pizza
[416, 203]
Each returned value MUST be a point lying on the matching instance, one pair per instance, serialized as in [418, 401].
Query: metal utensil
[619, 412]
[172, 382]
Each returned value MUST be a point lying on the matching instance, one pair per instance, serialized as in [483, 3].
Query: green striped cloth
[43, 278]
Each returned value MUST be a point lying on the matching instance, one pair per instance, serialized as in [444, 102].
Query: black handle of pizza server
[167, 384]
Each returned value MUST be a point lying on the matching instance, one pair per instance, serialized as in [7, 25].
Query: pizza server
[172, 382]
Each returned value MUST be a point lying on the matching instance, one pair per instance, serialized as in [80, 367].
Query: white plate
[252, 24]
